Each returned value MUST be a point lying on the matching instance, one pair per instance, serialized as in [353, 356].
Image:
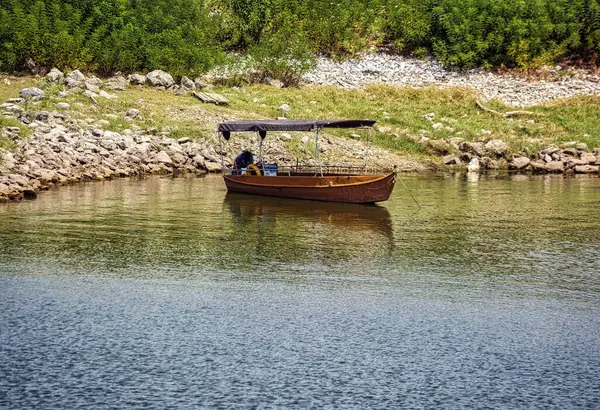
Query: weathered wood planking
[211, 98]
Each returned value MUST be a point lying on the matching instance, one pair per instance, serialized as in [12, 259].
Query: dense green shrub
[108, 35]
[285, 55]
[190, 36]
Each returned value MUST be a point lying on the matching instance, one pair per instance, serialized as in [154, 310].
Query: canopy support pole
[260, 145]
[221, 151]
[367, 153]
[317, 152]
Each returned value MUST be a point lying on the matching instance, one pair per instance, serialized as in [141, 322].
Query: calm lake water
[168, 293]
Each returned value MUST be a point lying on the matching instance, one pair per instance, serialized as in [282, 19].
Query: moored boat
[340, 184]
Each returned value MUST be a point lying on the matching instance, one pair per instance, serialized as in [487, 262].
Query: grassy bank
[401, 114]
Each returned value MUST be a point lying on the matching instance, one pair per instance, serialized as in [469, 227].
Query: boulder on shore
[118, 83]
[496, 148]
[519, 163]
[74, 79]
[159, 78]
[187, 84]
[587, 169]
[32, 92]
[137, 79]
[55, 75]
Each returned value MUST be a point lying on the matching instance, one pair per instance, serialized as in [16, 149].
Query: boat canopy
[262, 126]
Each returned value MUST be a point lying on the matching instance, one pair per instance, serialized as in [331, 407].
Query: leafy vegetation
[108, 35]
[191, 36]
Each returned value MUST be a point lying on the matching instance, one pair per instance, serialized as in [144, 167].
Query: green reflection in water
[519, 233]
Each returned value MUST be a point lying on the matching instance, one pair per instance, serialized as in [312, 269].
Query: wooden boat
[294, 183]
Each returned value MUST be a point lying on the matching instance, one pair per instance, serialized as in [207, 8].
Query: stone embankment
[64, 150]
[495, 154]
[511, 89]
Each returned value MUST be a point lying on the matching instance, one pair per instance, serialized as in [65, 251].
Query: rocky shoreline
[64, 150]
[572, 158]
[61, 152]
[511, 89]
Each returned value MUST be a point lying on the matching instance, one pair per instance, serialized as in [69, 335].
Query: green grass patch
[400, 113]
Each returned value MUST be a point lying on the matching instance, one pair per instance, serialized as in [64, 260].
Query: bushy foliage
[108, 35]
[284, 54]
[187, 36]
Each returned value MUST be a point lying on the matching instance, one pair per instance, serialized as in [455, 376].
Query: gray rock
[549, 151]
[32, 92]
[589, 158]
[198, 162]
[74, 79]
[116, 83]
[183, 140]
[92, 88]
[55, 75]
[93, 81]
[571, 162]
[587, 169]
[496, 164]
[178, 158]
[451, 160]
[110, 135]
[284, 108]
[106, 95]
[305, 140]
[137, 79]
[187, 83]
[475, 148]
[63, 106]
[212, 166]
[132, 113]
[92, 95]
[181, 92]
[11, 108]
[497, 148]
[97, 132]
[200, 84]
[42, 116]
[108, 145]
[582, 146]
[159, 78]
[519, 163]
[163, 158]
[556, 166]
[473, 165]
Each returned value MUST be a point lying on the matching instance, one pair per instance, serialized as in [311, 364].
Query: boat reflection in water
[303, 224]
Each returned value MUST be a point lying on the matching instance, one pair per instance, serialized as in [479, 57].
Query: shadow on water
[336, 228]
[351, 216]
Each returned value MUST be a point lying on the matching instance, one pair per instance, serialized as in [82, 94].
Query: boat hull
[336, 188]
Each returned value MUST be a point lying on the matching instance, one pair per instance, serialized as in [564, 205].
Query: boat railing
[326, 169]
